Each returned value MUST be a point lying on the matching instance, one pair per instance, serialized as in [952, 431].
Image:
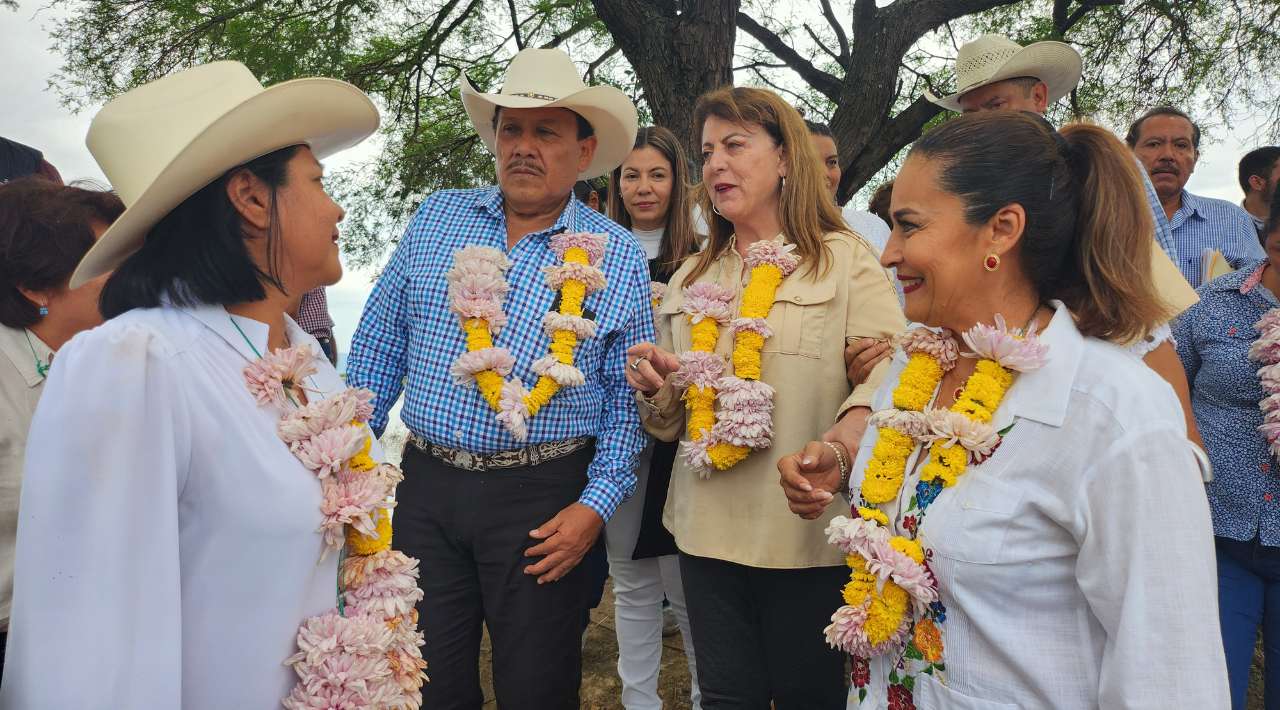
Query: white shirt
[1076, 564]
[20, 386]
[871, 227]
[650, 240]
[167, 540]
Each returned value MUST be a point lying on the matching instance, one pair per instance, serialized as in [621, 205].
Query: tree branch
[591, 68]
[915, 18]
[1085, 7]
[515, 25]
[827, 84]
[898, 133]
[564, 36]
[836, 27]
[821, 45]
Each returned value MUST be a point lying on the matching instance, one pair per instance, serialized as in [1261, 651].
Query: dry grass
[601, 689]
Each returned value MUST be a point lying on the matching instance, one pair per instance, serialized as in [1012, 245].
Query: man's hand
[810, 479]
[566, 538]
[861, 357]
[648, 367]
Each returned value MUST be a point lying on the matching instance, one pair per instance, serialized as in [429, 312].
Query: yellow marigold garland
[477, 285]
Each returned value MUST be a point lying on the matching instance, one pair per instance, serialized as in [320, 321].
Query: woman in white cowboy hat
[195, 458]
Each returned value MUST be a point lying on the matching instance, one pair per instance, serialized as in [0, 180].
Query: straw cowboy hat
[161, 142]
[546, 78]
[993, 58]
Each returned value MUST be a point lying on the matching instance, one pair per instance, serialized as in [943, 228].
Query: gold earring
[992, 262]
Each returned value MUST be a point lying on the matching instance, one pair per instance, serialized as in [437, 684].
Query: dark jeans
[757, 635]
[469, 529]
[1249, 597]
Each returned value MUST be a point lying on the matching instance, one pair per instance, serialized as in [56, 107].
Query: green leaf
[893, 676]
[913, 653]
[909, 682]
[862, 694]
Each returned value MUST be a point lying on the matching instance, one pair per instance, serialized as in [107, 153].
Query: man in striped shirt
[1167, 142]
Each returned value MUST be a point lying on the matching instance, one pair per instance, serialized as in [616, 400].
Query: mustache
[1160, 168]
[524, 164]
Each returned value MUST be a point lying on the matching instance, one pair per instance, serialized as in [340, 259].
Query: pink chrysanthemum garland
[1266, 352]
[477, 288]
[718, 440]
[365, 653]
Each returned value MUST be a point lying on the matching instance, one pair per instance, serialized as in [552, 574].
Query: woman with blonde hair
[748, 364]
[1029, 528]
[650, 195]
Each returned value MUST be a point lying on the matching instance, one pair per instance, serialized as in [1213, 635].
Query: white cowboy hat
[992, 58]
[546, 78]
[161, 142]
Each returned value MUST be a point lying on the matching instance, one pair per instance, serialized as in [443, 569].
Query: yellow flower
[541, 393]
[562, 344]
[701, 402]
[917, 382]
[945, 462]
[908, 547]
[886, 613]
[928, 640]
[757, 297]
[358, 544]
[892, 444]
[746, 354]
[571, 294]
[882, 482]
[478, 337]
[724, 456]
[575, 255]
[704, 335]
[362, 462]
[873, 515]
[490, 384]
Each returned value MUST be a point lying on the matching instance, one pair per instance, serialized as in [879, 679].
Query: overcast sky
[32, 115]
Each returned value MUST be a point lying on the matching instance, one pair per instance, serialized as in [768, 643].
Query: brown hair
[678, 239]
[45, 229]
[1089, 232]
[804, 209]
[880, 200]
[1135, 128]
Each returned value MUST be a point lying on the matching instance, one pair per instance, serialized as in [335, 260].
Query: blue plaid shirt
[1213, 339]
[1164, 235]
[1206, 223]
[408, 338]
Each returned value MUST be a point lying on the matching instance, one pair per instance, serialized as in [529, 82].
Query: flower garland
[891, 600]
[477, 288]
[1266, 351]
[745, 421]
[365, 653]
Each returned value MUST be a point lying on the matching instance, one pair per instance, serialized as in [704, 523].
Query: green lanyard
[42, 368]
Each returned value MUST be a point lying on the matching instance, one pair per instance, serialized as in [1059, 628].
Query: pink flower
[353, 502]
[771, 252]
[564, 375]
[938, 345]
[513, 412]
[590, 276]
[707, 300]
[341, 409]
[388, 584]
[476, 259]
[464, 369]
[913, 424]
[579, 326]
[1266, 349]
[698, 368]
[327, 452]
[280, 371]
[657, 291]
[1011, 349]
[1269, 321]
[954, 428]
[593, 244]
[751, 325]
[695, 454]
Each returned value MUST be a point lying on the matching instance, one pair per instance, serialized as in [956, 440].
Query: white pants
[638, 589]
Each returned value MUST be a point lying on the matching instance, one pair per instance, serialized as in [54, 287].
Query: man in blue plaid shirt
[498, 523]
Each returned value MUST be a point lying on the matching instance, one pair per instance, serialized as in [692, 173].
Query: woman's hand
[811, 478]
[861, 357]
[648, 367]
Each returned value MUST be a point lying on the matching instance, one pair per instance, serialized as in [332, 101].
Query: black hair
[818, 129]
[1273, 221]
[1258, 161]
[1136, 127]
[199, 252]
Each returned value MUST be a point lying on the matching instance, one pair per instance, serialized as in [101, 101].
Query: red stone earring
[991, 263]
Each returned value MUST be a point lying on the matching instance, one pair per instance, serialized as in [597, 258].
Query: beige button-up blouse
[740, 515]
[20, 388]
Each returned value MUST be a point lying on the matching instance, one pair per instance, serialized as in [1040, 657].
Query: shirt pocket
[799, 316]
[971, 522]
[930, 693]
[670, 314]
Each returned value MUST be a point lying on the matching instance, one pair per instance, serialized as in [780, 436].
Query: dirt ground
[601, 689]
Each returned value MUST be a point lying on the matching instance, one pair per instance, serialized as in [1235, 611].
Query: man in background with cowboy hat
[994, 73]
[500, 521]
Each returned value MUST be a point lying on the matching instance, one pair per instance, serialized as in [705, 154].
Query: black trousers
[469, 529]
[757, 634]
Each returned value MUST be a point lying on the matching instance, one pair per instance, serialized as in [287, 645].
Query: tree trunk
[677, 55]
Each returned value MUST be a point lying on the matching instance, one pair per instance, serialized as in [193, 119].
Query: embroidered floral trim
[891, 601]
[744, 423]
[365, 653]
[1266, 351]
[477, 288]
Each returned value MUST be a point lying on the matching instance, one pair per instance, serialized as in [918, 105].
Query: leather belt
[516, 458]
